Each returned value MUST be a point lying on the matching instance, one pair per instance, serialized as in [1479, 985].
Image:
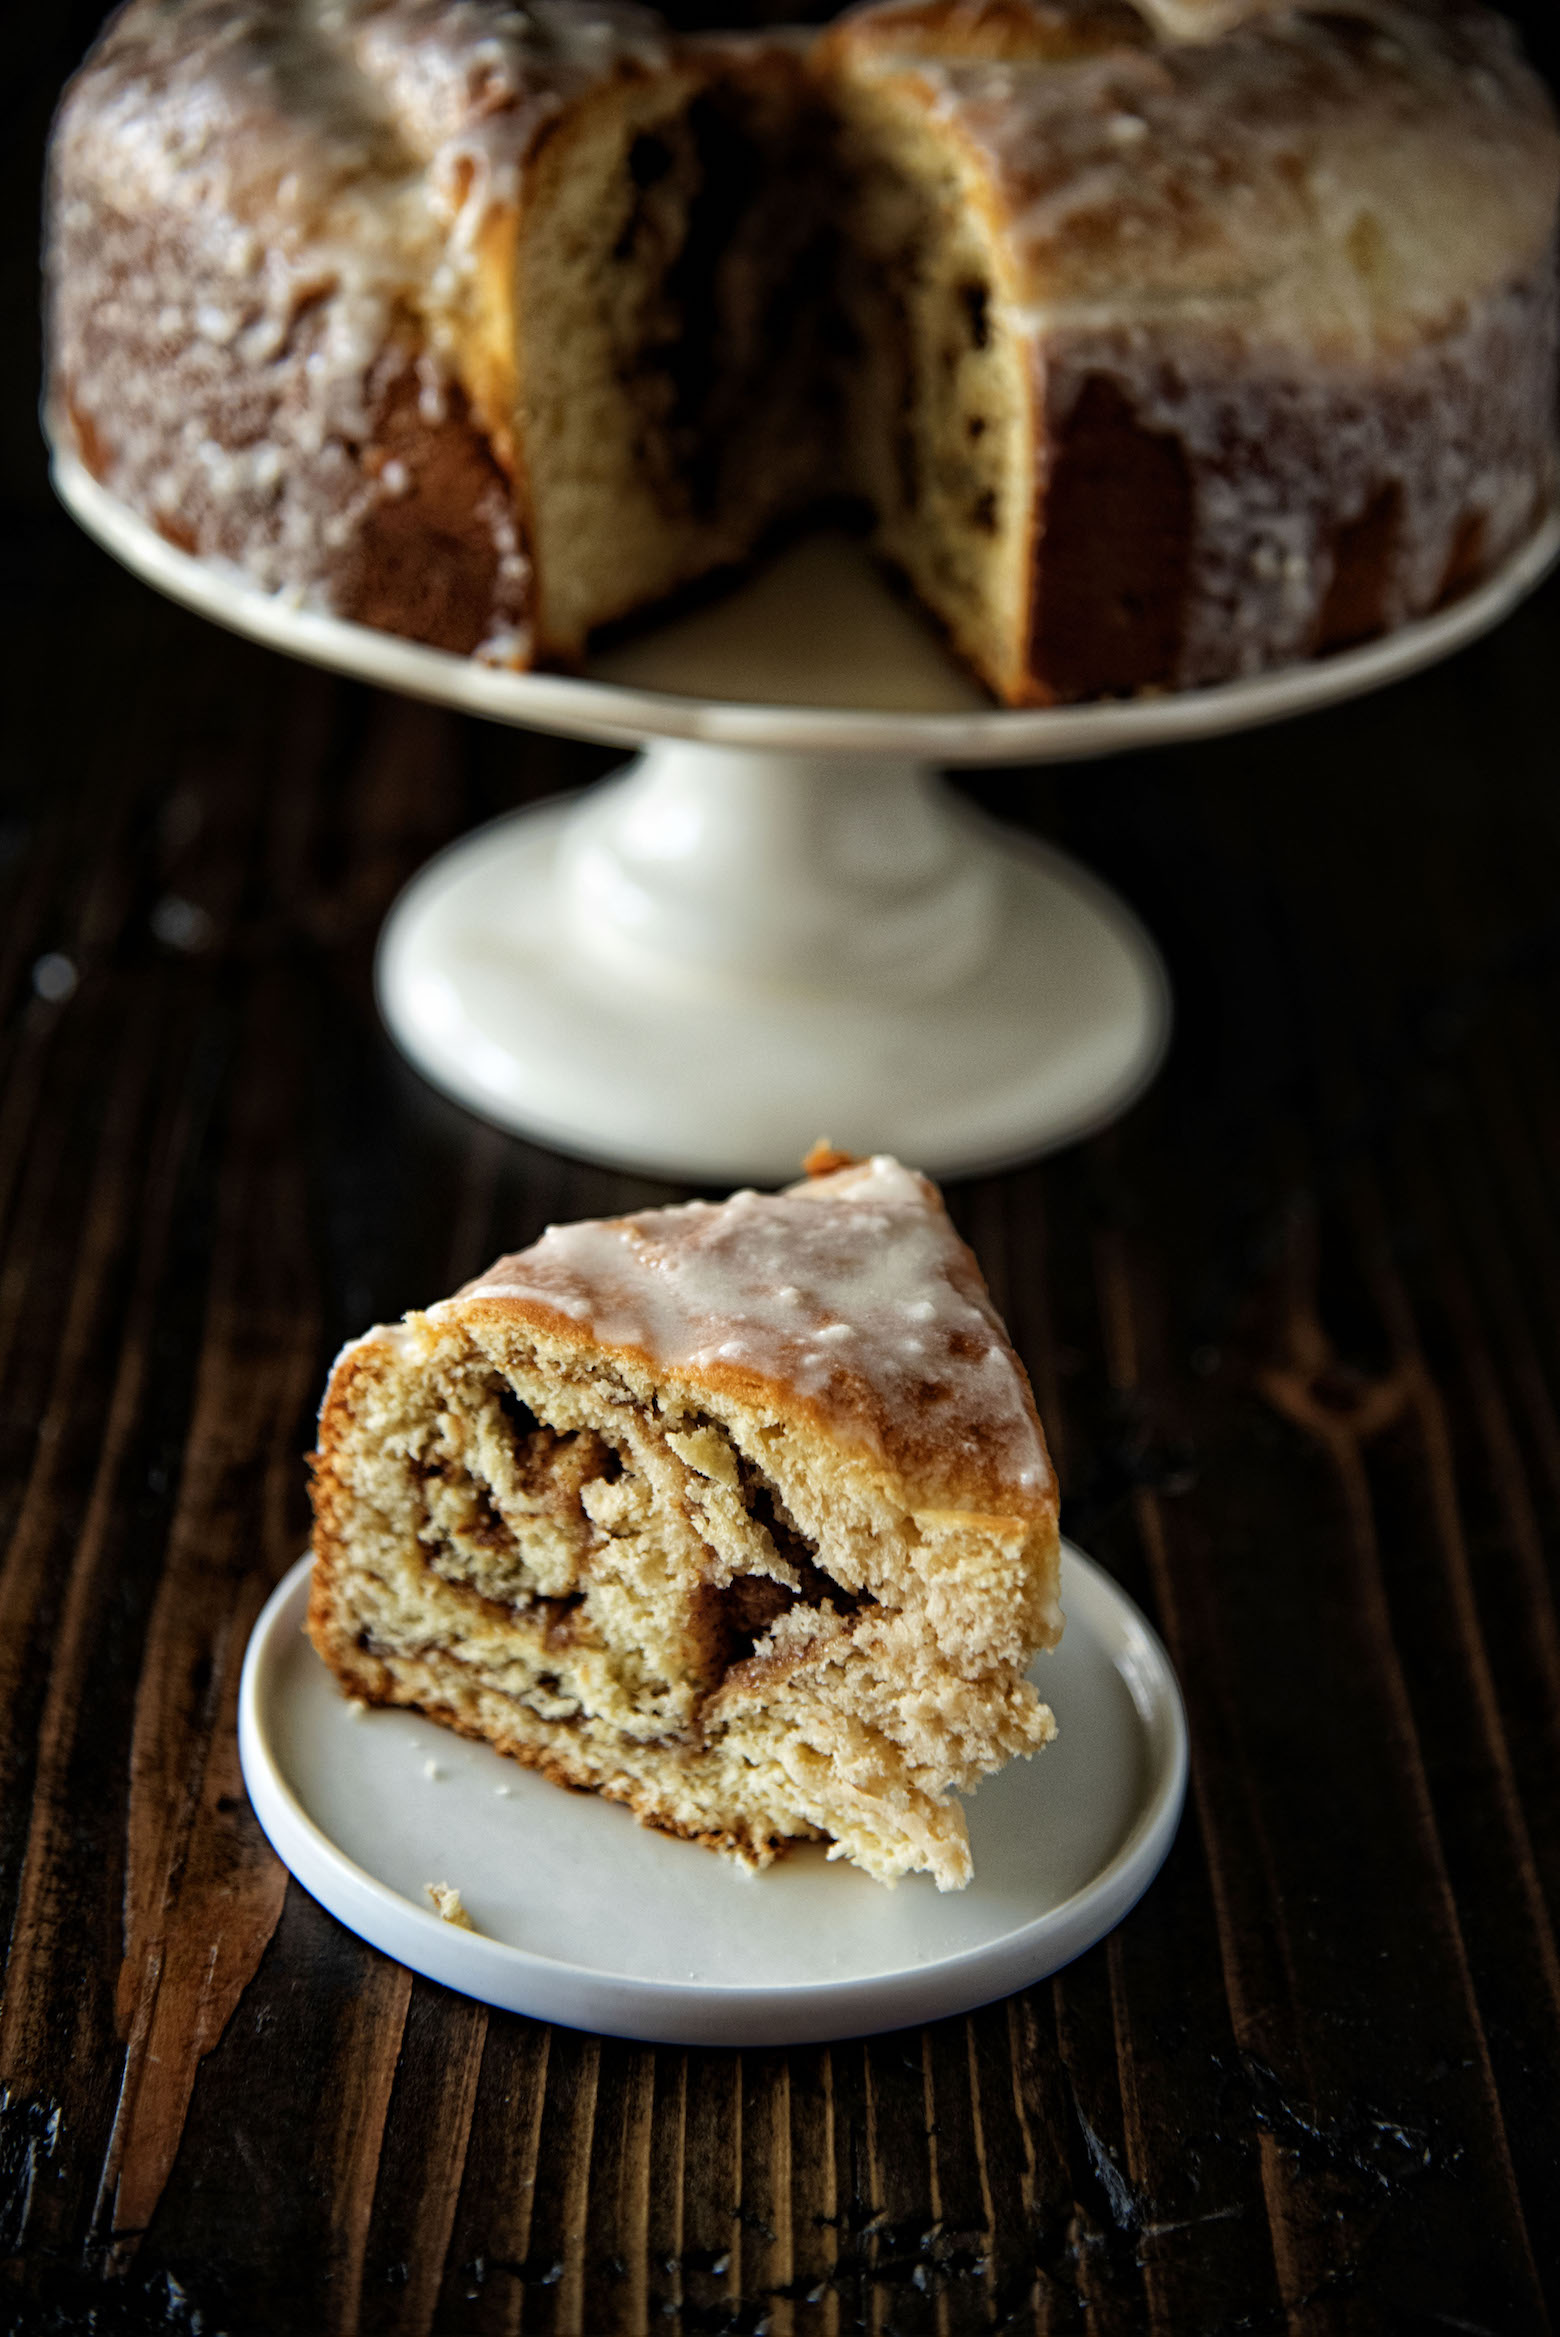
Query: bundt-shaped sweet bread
[1159, 342]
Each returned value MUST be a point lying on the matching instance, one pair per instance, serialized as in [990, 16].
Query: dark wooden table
[1295, 1330]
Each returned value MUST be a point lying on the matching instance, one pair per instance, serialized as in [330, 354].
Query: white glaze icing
[809, 1290]
[249, 195]
[1317, 253]
[1316, 250]
[1337, 184]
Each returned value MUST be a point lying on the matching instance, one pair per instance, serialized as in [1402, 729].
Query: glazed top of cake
[1335, 179]
[850, 1297]
[348, 151]
[1342, 181]
[291, 100]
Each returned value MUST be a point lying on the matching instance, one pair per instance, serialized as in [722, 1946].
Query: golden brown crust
[1109, 156]
[824, 1158]
[688, 1291]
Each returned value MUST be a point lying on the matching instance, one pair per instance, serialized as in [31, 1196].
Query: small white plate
[586, 1918]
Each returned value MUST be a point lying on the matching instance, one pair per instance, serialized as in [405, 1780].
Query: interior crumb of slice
[733, 304]
[704, 1612]
[674, 266]
[941, 409]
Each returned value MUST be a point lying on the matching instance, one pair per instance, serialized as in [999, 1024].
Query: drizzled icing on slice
[851, 1292]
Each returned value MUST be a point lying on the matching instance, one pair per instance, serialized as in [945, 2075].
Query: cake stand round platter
[582, 1916]
[775, 922]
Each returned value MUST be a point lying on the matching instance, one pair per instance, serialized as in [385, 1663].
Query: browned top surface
[848, 1297]
[1328, 180]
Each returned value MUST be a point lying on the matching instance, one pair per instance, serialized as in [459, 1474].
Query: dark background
[1295, 1330]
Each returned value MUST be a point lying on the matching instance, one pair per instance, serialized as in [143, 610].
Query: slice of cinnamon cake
[740, 1514]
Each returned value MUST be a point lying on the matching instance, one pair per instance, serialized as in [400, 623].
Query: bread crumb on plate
[449, 1905]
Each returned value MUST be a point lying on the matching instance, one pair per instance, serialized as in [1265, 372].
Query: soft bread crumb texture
[739, 1514]
[449, 1906]
[669, 397]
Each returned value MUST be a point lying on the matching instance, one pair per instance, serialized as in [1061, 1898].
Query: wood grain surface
[1295, 1330]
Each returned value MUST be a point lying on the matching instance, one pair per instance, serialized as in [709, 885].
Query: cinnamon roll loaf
[738, 1514]
[1159, 341]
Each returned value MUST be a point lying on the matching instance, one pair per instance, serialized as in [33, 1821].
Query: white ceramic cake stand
[775, 922]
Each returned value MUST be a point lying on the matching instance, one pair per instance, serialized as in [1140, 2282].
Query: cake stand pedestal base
[721, 954]
[775, 924]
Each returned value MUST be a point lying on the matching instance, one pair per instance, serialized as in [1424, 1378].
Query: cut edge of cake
[709, 1542]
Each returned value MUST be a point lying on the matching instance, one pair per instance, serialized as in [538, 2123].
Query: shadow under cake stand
[776, 922]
